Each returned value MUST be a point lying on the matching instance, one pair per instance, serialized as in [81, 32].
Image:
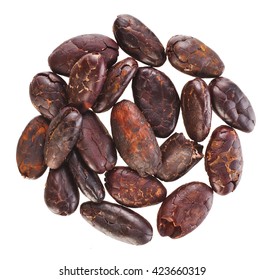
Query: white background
[34, 242]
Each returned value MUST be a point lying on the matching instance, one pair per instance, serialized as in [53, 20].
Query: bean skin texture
[191, 56]
[30, 148]
[61, 195]
[129, 189]
[118, 78]
[62, 134]
[196, 109]
[184, 209]
[231, 104]
[134, 138]
[62, 59]
[156, 97]
[86, 81]
[118, 222]
[224, 160]
[48, 93]
[179, 155]
[95, 144]
[138, 41]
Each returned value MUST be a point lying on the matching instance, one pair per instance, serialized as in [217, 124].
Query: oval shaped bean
[137, 40]
[86, 81]
[62, 59]
[118, 222]
[231, 104]
[129, 189]
[184, 209]
[95, 144]
[196, 109]
[224, 160]
[61, 195]
[48, 94]
[179, 155]
[157, 98]
[134, 138]
[30, 148]
[62, 134]
[118, 77]
[193, 57]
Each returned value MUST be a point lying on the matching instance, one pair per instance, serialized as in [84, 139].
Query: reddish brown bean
[129, 189]
[30, 148]
[224, 160]
[196, 109]
[95, 144]
[137, 40]
[118, 222]
[231, 104]
[61, 195]
[157, 98]
[134, 138]
[193, 57]
[184, 209]
[69, 52]
[62, 134]
[48, 93]
[179, 155]
[118, 77]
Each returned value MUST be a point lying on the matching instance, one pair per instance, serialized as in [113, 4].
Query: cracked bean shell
[224, 160]
[129, 189]
[184, 209]
[118, 222]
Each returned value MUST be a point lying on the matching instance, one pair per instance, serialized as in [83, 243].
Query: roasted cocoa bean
[118, 222]
[196, 109]
[62, 134]
[184, 209]
[129, 189]
[86, 81]
[193, 57]
[61, 195]
[48, 94]
[179, 155]
[95, 144]
[30, 148]
[118, 77]
[224, 160]
[137, 40]
[231, 104]
[62, 59]
[134, 138]
[157, 98]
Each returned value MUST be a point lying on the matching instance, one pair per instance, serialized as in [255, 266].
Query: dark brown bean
[196, 109]
[179, 155]
[129, 189]
[61, 195]
[86, 81]
[231, 104]
[224, 160]
[95, 144]
[118, 222]
[85, 178]
[134, 138]
[157, 98]
[62, 134]
[30, 148]
[118, 77]
[48, 93]
[192, 57]
[69, 52]
[137, 40]
[184, 209]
